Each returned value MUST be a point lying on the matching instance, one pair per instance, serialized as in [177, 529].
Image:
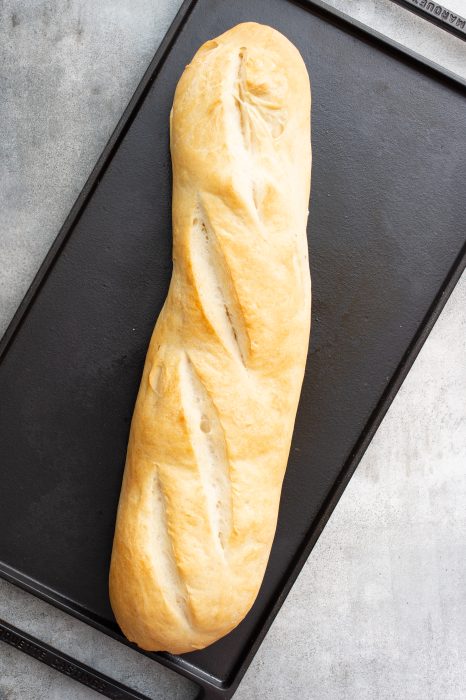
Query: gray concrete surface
[379, 610]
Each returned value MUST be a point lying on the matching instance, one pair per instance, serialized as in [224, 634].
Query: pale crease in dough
[215, 289]
[162, 553]
[208, 441]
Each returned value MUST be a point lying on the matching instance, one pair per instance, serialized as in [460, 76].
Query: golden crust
[213, 421]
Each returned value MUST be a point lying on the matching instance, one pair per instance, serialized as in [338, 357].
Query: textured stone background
[379, 611]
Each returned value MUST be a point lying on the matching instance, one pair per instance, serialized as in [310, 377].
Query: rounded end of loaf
[260, 36]
[145, 621]
[276, 56]
[239, 105]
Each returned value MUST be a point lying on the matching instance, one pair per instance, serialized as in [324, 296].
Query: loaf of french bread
[214, 417]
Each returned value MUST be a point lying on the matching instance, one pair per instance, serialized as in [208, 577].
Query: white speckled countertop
[379, 610]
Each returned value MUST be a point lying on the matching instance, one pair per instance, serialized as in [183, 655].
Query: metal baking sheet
[387, 235]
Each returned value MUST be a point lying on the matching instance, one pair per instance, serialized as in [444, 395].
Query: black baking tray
[387, 240]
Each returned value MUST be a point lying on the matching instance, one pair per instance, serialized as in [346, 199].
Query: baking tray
[387, 234]
[437, 14]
